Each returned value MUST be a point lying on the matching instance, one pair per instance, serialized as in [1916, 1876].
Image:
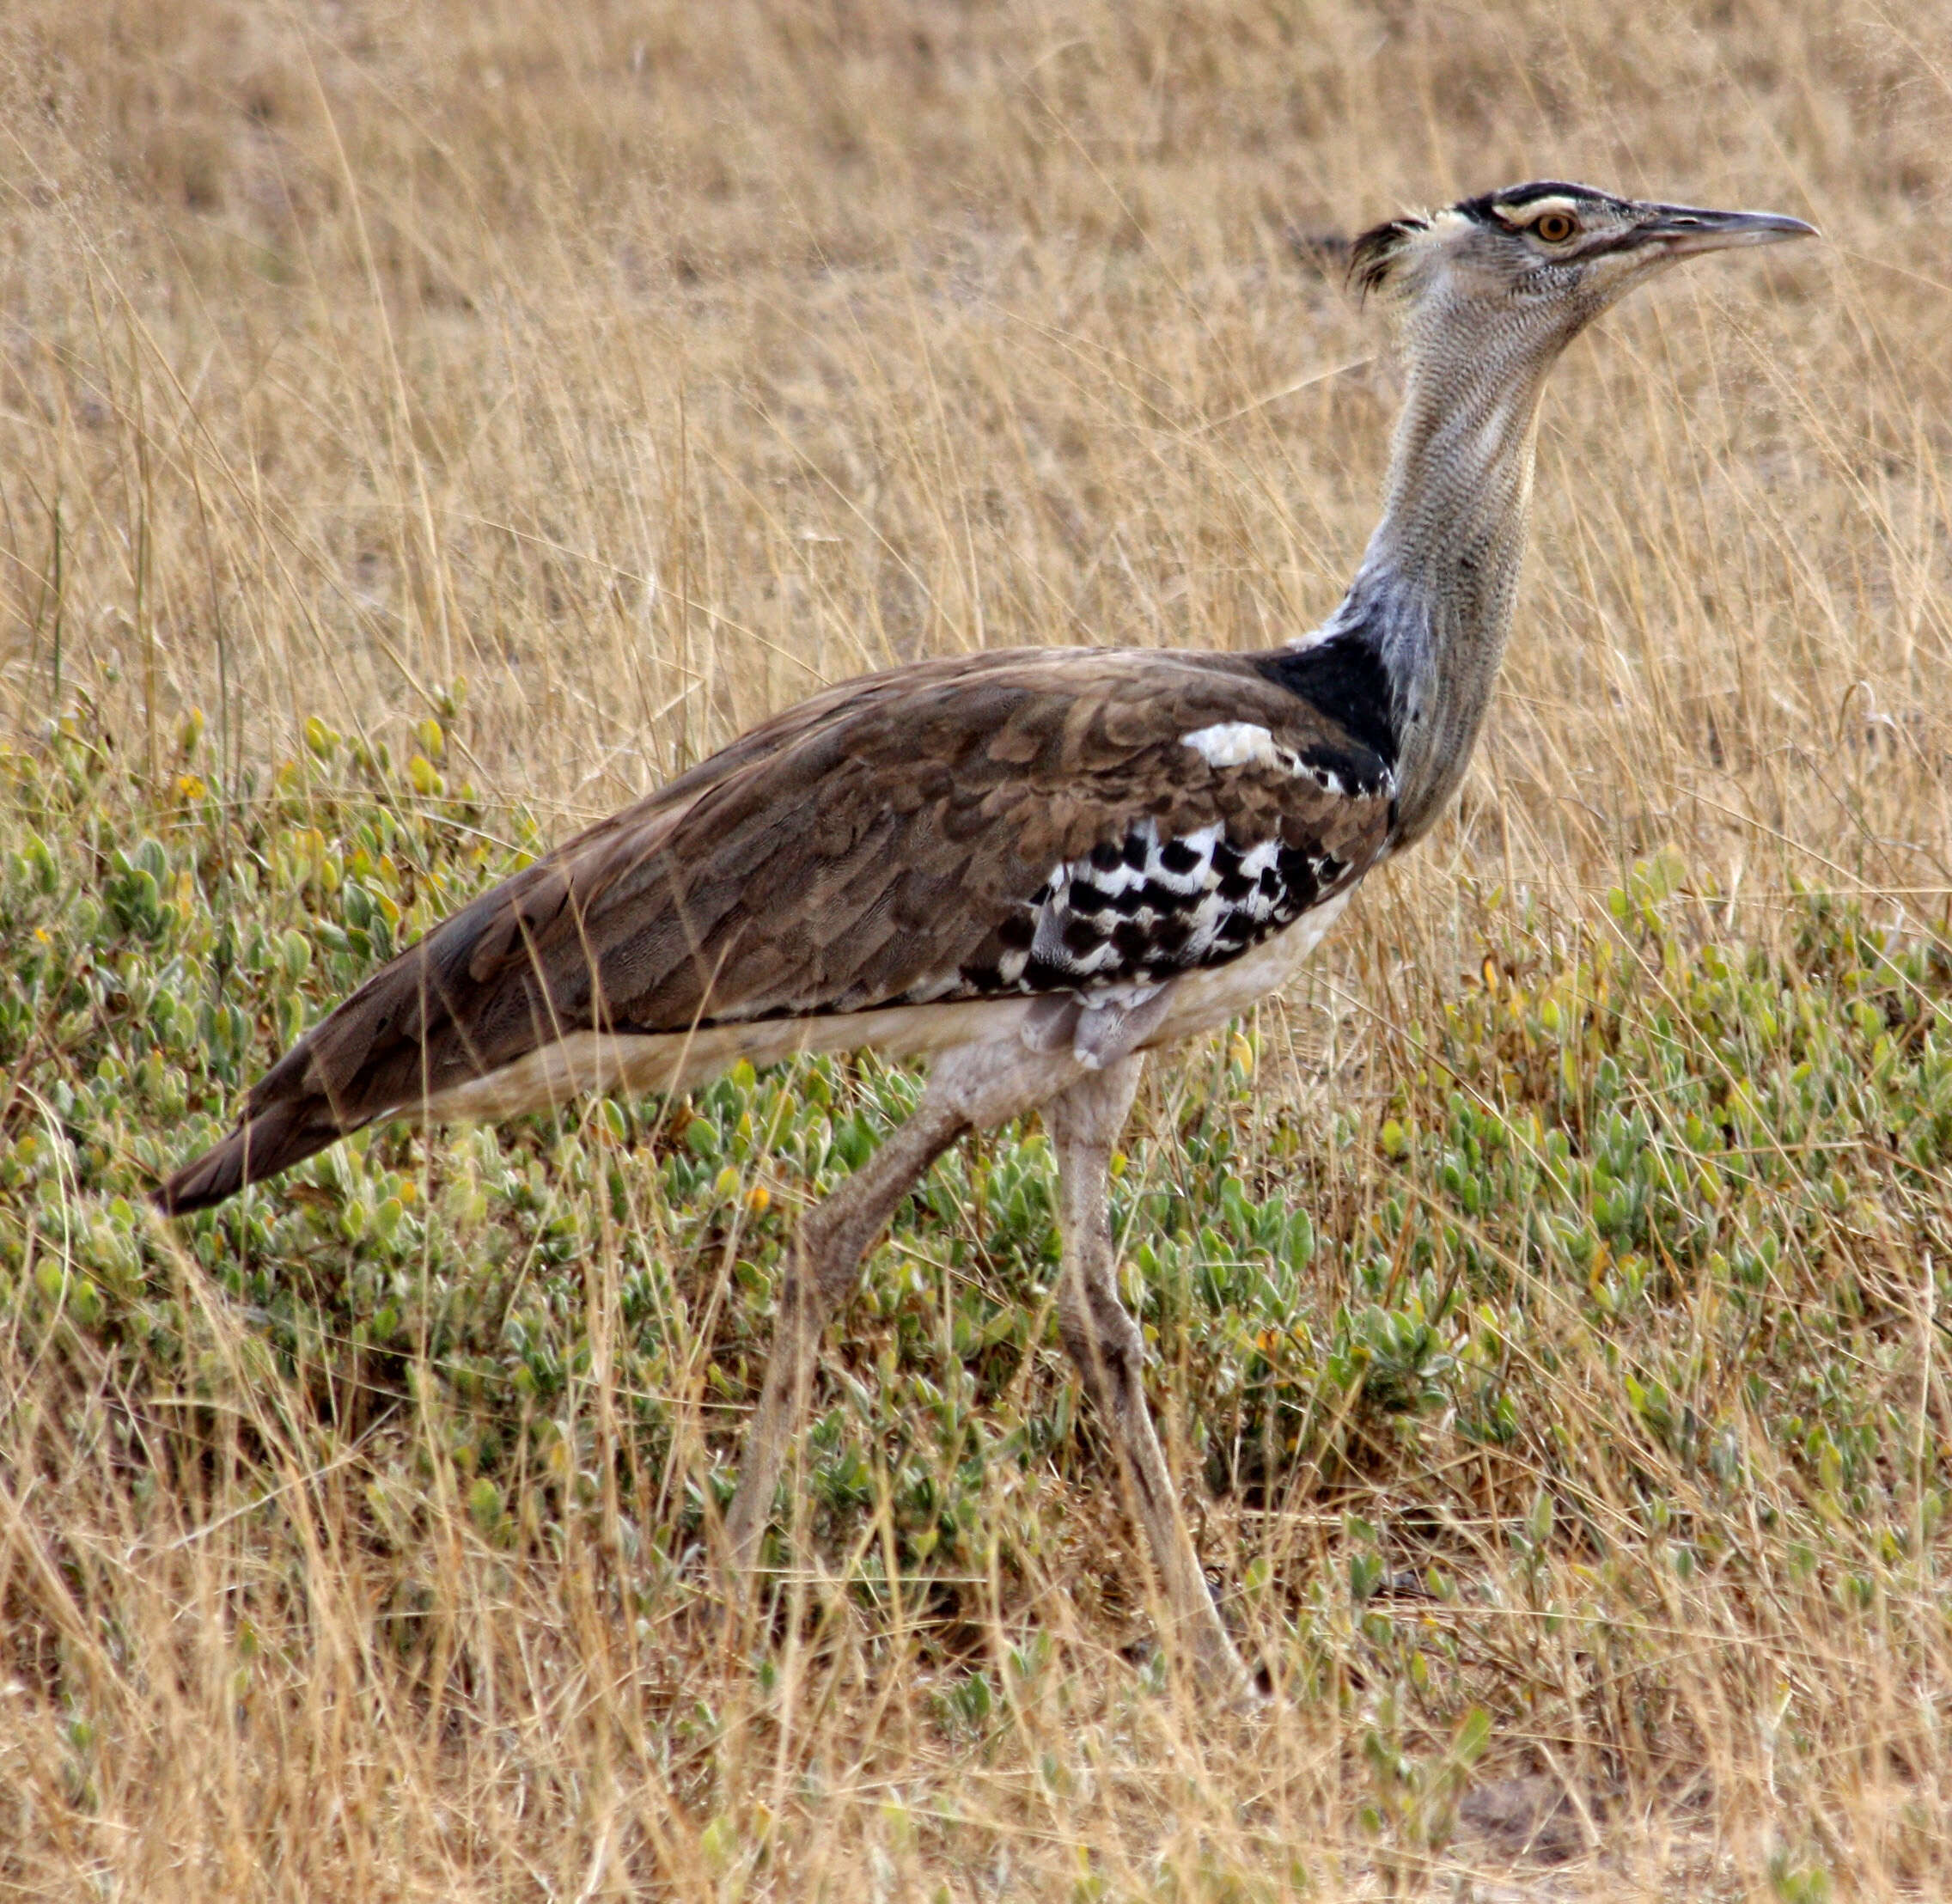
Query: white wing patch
[1242, 744]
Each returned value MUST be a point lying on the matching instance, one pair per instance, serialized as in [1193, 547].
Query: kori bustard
[1033, 867]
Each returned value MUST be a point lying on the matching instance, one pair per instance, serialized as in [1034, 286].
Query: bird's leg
[969, 1088]
[821, 1268]
[1084, 1122]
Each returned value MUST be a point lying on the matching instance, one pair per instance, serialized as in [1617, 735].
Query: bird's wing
[1040, 820]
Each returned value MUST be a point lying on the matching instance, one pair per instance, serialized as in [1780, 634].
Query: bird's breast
[1204, 1000]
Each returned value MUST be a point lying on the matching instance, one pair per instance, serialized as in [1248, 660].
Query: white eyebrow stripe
[1533, 210]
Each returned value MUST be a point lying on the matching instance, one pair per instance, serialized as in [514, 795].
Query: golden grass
[593, 378]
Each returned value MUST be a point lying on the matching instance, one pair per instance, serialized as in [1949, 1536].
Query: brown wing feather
[867, 845]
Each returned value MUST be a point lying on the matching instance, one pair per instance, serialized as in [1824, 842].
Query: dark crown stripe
[1483, 209]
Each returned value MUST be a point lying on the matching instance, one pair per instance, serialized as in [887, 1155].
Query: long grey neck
[1433, 597]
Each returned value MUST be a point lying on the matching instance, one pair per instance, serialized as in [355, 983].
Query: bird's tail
[273, 1140]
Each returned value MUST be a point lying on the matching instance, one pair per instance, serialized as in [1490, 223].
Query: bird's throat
[1432, 601]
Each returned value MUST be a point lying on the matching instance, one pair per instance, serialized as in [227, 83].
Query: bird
[1033, 867]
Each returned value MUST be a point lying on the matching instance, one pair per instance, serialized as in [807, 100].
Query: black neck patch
[1343, 677]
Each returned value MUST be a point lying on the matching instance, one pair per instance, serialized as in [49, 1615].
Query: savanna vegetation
[422, 429]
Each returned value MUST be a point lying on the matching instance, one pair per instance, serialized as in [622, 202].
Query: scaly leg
[820, 1269]
[969, 1088]
[1104, 1342]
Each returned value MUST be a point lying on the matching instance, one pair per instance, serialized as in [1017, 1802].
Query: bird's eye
[1556, 227]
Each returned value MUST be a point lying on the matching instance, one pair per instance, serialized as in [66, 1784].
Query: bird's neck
[1433, 598]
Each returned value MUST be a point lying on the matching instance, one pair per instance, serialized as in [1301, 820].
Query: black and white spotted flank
[1119, 921]
[1135, 914]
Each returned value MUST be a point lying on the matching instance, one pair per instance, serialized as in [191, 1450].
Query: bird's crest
[1374, 257]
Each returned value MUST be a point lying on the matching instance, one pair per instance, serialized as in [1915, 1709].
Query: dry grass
[592, 378]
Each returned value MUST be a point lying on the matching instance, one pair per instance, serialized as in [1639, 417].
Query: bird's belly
[669, 1061]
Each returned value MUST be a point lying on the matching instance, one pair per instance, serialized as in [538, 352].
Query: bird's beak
[1680, 231]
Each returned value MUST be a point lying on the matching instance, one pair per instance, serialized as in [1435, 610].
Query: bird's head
[1537, 263]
